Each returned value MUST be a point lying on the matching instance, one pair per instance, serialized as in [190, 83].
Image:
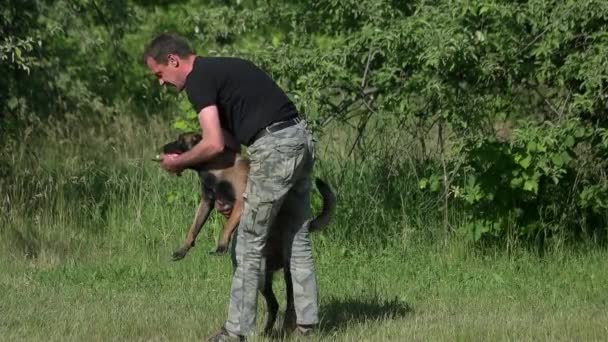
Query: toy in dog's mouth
[174, 148]
[159, 157]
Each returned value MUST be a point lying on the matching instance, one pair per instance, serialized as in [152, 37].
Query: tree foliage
[505, 100]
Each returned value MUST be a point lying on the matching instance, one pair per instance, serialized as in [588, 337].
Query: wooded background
[486, 119]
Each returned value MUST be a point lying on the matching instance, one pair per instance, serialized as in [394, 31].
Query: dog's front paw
[179, 254]
[219, 250]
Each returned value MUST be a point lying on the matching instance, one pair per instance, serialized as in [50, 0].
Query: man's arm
[211, 145]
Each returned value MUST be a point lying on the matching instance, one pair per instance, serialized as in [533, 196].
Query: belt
[275, 127]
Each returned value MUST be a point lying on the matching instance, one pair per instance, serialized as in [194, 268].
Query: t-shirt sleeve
[202, 93]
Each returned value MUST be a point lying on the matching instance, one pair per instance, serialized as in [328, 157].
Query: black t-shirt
[247, 98]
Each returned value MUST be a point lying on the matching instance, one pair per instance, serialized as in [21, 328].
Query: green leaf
[477, 232]
[434, 183]
[531, 185]
[191, 115]
[516, 182]
[541, 147]
[525, 162]
[569, 141]
[580, 132]
[12, 103]
[481, 227]
[557, 160]
[180, 125]
[565, 157]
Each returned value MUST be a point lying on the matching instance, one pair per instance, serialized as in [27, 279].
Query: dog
[223, 181]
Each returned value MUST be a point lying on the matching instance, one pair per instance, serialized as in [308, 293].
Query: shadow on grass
[338, 313]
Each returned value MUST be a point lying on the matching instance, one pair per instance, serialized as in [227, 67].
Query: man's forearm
[200, 153]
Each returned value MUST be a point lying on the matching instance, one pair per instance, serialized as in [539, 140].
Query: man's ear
[172, 60]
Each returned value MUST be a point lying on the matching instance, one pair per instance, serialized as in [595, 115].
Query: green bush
[494, 110]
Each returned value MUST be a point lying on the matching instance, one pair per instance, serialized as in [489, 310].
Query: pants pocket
[257, 216]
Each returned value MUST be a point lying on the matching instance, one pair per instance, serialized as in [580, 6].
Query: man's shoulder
[224, 61]
[211, 67]
[221, 70]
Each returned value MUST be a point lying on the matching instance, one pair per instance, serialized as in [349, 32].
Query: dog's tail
[329, 203]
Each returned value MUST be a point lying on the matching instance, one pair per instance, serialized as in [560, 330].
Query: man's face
[167, 74]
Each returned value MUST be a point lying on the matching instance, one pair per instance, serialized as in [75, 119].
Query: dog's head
[185, 142]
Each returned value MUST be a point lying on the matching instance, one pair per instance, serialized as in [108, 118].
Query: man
[239, 104]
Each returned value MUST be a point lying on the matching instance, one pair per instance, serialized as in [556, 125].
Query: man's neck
[188, 64]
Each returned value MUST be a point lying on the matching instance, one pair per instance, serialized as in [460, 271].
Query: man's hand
[171, 163]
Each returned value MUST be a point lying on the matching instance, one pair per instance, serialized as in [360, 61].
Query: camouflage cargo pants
[279, 179]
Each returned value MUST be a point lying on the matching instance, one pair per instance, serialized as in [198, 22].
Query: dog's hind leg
[229, 226]
[272, 304]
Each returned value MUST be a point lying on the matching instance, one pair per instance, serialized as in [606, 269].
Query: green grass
[394, 294]
[88, 225]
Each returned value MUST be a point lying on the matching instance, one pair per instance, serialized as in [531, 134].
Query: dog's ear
[178, 146]
[192, 139]
[173, 147]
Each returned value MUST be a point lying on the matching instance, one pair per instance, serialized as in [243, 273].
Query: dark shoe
[224, 336]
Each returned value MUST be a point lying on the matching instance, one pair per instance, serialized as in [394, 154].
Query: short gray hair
[165, 44]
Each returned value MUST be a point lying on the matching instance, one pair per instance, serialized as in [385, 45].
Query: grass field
[88, 225]
[395, 294]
